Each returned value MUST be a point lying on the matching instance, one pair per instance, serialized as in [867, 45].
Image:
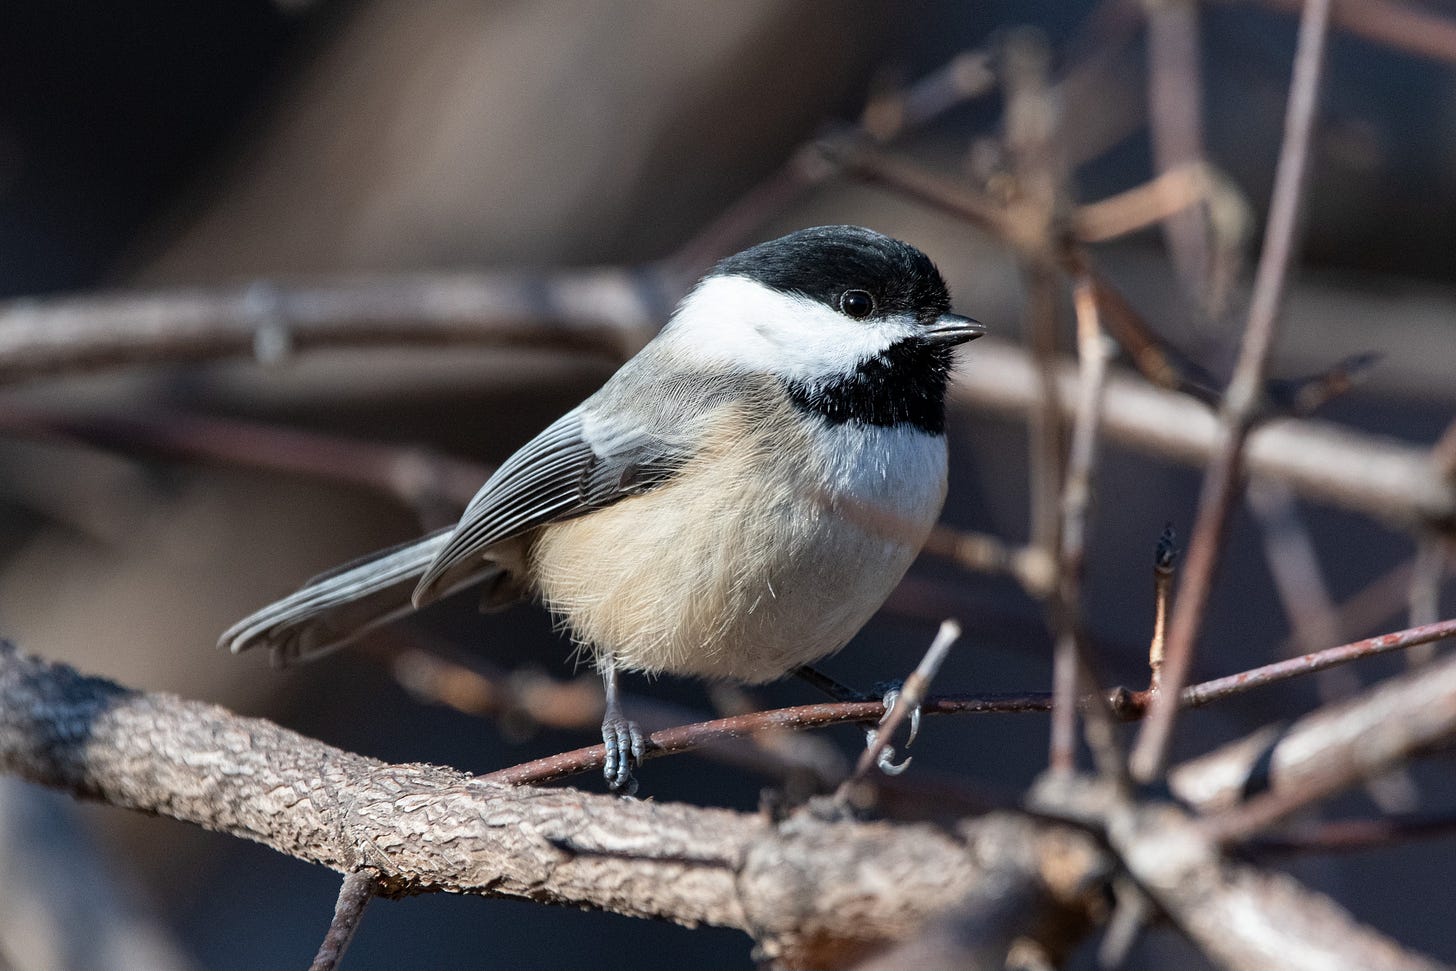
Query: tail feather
[335, 608]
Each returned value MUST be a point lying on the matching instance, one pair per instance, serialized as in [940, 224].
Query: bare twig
[1354, 835]
[354, 895]
[524, 700]
[1164, 558]
[418, 478]
[1166, 196]
[1207, 692]
[1402, 26]
[1242, 400]
[1175, 127]
[1070, 672]
[686, 738]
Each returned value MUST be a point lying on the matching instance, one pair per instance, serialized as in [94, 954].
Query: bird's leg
[626, 744]
[886, 692]
[831, 687]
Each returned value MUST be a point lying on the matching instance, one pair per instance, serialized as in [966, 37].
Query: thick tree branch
[810, 891]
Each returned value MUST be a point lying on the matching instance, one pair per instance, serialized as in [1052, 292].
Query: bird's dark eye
[857, 304]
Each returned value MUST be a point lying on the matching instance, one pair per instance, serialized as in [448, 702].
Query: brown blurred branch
[1354, 835]
[1244, 397]
[1378, 476]
[608, 310]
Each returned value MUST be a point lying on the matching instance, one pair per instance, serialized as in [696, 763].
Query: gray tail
[335, 608]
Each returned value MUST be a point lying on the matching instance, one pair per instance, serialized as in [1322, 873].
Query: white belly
[747, 564]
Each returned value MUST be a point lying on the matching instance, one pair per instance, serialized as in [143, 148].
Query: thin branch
[354, 895]
[522, 701]
[1243, 398]
[1164, 197]
[1355, 835]
[1402, 26]
[418, 478]
[1175, 128]
[1164, 558]
[1071, 673]
[1207, 692]
[686, 738]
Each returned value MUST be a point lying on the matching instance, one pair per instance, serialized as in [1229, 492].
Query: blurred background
[159, 146]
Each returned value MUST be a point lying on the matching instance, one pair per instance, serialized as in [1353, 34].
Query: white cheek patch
[736, 321]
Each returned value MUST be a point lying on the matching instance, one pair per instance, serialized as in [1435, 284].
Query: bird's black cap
[825, 261]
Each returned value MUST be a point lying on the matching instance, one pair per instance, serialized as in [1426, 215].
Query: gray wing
[591, 457]
[584, 461]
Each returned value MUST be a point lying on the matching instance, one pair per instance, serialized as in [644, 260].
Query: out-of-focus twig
[1355, 835]
[1239, 916]
[1243, 397]
[1175, 129]
[965, 76]
[354, 895]
[984, 553]
[1161, 198]
[1424, 598]
[417, 477]
[1443, 453]
[1375, 475]
[1399, 25]
[609, 310]
[1072, 674]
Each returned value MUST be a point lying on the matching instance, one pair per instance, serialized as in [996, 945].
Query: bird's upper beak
[953, 329]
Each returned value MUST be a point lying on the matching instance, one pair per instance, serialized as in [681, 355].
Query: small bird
[733, 504]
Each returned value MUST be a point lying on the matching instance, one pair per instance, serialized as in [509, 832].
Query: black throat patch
[902, 385]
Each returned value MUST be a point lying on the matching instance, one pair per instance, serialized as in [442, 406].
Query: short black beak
[952, 329]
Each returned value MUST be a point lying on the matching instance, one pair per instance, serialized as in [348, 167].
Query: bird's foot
[886, 762]
[626, 746]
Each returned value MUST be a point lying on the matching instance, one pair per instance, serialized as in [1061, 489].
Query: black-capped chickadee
[735, 502]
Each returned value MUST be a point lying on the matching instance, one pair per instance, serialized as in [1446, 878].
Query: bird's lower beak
[953, 329]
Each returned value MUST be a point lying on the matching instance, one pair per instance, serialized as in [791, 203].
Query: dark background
[163, 145]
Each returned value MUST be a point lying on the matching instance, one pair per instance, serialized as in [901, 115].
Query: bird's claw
[626, 746]
[886, 762]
